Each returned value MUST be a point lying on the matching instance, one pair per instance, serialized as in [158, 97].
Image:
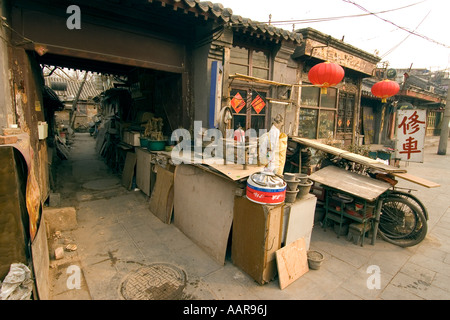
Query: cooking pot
[266, 188]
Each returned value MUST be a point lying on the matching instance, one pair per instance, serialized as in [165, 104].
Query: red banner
[237, 102]
[258, 104]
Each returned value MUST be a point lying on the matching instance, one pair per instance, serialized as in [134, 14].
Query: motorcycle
[93, 126]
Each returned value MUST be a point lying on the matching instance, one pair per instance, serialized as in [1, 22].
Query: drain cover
[154, 282]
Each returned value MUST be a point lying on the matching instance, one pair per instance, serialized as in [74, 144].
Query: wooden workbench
[363, 187]
[369, 162]
[350, 182]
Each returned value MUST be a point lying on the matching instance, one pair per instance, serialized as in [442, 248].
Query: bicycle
[403, 219]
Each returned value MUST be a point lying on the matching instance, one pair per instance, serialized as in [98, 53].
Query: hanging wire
[326, 19]
[409, 34]
[400, 27]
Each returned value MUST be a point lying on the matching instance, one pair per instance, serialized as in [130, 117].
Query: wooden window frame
[250, 66]
[251, 94]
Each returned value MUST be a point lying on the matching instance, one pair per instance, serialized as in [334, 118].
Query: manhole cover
[154, 282]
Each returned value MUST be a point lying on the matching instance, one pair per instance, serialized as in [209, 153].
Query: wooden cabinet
[298, 220]
[256, 236]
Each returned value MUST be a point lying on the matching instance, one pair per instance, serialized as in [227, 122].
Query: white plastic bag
[17, 284]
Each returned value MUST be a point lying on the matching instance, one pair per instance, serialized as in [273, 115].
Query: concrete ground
[117, 235]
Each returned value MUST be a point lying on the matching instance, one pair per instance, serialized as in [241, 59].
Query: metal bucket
[266, 188]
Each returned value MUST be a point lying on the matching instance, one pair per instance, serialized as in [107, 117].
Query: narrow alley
[123, 247]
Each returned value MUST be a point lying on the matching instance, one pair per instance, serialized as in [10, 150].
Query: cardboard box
[132, 138]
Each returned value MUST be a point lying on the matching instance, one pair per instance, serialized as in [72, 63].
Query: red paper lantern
[326, 74]
[385, 89]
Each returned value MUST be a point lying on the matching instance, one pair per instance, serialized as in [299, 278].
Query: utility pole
[442, 150]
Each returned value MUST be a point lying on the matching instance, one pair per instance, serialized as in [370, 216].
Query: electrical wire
[400, 27]
[409, 34]
[326, 19]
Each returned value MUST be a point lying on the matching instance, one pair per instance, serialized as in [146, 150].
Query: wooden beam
[243, 77]
[421, 181]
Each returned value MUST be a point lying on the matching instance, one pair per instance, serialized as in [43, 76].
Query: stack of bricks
[8, 139]
[9, 136]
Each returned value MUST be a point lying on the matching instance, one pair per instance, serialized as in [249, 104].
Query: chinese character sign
[411, 128]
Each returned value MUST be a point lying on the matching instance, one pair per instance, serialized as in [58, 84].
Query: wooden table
[350, 182]
[353, 184]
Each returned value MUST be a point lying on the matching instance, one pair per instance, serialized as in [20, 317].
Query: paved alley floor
[117, 237]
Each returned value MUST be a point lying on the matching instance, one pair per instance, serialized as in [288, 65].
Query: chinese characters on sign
[411, 128]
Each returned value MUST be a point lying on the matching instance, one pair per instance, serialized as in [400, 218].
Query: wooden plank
[320, 146]
[350, 182]
[128, 170]
[235, 171]
[203, 208]
[161, 200]
[372, 163]
[292, 262]
[143, 166]
[243, 77]
[421, 181]
[39, 249]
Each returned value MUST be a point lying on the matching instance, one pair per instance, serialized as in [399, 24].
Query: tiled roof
[264, 28]
[70, 88]
[218, 11]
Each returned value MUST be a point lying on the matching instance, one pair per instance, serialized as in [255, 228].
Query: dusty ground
[117, 235]
[81, 179]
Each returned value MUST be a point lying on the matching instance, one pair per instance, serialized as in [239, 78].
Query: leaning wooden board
[203, 208]
[41, 262]
[128, 170]
[292, 262]
[161, 200]
[143, 170]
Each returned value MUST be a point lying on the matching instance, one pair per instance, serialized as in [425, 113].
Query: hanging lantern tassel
[385, 89]
[325, 75]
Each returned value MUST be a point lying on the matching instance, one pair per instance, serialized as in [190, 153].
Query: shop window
[249, 109]
[249, 62]
[317, 113]
[326, 124]
[310, 97]
[308, 123]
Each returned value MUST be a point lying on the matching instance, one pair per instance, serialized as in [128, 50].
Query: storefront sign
[411, 129]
